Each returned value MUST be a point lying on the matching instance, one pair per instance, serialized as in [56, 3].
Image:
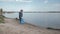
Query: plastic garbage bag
[22, 21]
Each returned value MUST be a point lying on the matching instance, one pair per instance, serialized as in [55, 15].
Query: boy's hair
[21, 10]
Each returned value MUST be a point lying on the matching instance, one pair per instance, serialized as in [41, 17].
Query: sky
[30, 5]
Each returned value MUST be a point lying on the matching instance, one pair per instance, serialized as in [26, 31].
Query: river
[39, 19]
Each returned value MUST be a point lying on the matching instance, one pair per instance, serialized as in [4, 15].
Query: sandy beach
[12, 26]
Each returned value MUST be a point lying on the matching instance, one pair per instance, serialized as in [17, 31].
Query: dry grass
[1, 19]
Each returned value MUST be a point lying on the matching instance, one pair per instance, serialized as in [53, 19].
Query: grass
[1, 19]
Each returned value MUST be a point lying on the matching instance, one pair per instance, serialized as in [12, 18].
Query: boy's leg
[19, 20]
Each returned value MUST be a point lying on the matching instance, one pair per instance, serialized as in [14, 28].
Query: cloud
[17, 0]
[6, 0]
[55, 5]
[58, 5]
[24, 0]
[45, 1]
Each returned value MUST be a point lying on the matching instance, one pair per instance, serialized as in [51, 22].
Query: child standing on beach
[20, 15]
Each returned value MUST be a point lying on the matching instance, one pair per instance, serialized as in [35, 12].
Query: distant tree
[1, 11]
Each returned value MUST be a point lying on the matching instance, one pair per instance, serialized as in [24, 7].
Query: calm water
[39, 19]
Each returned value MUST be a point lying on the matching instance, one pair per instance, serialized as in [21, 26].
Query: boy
[20, 15]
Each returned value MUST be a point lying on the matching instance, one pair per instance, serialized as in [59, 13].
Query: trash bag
[22, 21]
